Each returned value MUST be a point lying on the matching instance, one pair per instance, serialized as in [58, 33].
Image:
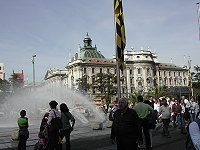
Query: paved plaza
[85, 138]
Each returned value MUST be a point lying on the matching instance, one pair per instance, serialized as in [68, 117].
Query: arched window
[139, 70]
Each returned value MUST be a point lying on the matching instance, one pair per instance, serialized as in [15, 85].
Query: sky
[53, 31]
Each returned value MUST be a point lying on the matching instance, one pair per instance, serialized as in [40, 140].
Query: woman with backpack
[67, 127]
[54, 125]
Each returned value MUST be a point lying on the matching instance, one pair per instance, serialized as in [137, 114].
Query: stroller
[42, 142]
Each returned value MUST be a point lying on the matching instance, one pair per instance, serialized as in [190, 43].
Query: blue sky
[53, 30]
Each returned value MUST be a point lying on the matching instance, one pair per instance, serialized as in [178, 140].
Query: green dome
[90, 53]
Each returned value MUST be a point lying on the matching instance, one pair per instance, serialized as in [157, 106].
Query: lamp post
[33, 61]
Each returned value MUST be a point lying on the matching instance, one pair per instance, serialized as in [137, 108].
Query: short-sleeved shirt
[52, 115]
[142, 109]
[22, 122]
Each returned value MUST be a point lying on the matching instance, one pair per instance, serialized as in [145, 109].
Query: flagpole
[120, 40]
[117, 64]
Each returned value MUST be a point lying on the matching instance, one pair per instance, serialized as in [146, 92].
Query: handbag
[151, 119]
[15, 135]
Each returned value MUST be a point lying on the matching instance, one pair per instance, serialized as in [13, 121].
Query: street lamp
[33, 70]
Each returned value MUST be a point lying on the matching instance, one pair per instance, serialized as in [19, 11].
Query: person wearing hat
[53, 136]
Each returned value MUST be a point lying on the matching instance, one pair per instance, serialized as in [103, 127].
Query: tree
[82, 84]
[196, 77]
[105, 83]
[196, 80]
[15, 82]
[4, 85]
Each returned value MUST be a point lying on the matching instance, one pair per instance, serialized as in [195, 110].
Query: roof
[170, 66]
[99, 61]
[87, 51]
[90, 53]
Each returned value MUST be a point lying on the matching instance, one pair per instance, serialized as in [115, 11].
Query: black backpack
[189, 144]
[56, 123]
[151, 118]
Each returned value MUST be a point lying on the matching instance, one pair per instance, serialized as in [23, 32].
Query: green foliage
[196, 80]
[4, 85]
[15, 82]
[105, 84]
[82, 84]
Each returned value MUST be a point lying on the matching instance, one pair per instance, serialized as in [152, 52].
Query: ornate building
[2, 72]
[142, 74]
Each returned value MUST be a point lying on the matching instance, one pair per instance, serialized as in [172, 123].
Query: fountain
[36, 103]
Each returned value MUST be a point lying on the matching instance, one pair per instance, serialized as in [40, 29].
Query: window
[184, 81]
[131, 89]
[100, 70]
[175, 81]
[92, 70]
[169, 73]
[139, 70]
[93, 80]
[164, 73]
[0, 67]
[131, 80]
[93, 91]
[148, 81]
[123, 81]
[165, 81]
[170, 81]
[123, 90]
[108, 70]
[148, 71]
[130, 71]
[84, 70]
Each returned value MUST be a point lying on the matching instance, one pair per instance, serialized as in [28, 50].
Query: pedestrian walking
[23, 130]
[165, 114]
[126, 128]
[67, 127]
[143, 110]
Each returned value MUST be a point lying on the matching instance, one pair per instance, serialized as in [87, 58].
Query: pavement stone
[85, 138]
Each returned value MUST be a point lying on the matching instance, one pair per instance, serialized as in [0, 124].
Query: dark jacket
[126, 124]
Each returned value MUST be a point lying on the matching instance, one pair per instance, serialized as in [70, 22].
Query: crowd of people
[131, 127]
[180, 112]
[55, 125]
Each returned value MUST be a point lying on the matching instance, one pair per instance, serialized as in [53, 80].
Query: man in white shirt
[53, 136]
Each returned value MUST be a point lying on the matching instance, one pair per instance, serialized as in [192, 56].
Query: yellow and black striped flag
[120, 33]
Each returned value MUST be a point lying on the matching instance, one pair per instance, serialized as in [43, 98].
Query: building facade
[142, 74]
[2, 72]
